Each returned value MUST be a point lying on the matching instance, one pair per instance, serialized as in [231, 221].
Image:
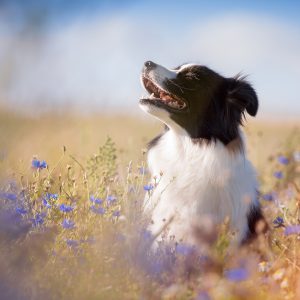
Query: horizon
[88, 55]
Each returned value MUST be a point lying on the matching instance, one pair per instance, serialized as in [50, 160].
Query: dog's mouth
[160, 97]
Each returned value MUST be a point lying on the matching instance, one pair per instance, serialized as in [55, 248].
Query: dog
[199, 161]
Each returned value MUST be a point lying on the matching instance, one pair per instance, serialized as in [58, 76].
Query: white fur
[198, 181]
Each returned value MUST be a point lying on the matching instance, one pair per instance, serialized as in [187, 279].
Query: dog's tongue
[164, 96]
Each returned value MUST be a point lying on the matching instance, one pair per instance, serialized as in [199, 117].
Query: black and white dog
[201, 153]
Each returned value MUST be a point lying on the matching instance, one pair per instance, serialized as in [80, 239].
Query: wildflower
[148, 187]
[283, 160]
[37, 164]
[39, 219]
[292, 229]
[278, 222]
[143, 171]
[111, 199]
[97, 210]
[278, 174]
[46, 203]
[203, 295]
[238, 274]
[96, 200]
[51, 196]
[72, 243]
[268, 197]
[278, 275]
[66, 208]
[184, 249]
[8, 196]
[68, 224]
[147, 235]
[264, 266]
[21, 210]
[296, 156]
[116, 213]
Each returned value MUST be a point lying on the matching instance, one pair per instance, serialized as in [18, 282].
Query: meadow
[72, 227]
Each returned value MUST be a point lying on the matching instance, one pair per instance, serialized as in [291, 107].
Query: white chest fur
[198, 180]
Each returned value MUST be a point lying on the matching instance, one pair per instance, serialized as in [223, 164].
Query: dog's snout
[149, 65]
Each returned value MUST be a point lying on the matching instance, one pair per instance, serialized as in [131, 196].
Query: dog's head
[200, 101]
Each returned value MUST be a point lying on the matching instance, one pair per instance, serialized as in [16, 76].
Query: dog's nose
[149, 65]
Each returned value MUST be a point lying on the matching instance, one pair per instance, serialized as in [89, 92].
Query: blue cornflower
[116, 213]
[96, 200]
[278, 174]
[9, 196]
[68, 224]
[51, 196]
[37, 164]
[203, 295]
[72, 243]
[111, 199]
[97, 210]
[147, 235]
[148, 187]
[184, 249]
[39, 219]
[292, 229]
[268, 197]
[21, 210]
[143, 171]
[238, 274]
[278, 222]
[46, 203]
[283, 160]
[66, 208]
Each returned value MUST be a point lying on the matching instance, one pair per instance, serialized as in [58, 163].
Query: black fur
[215, 104]
[254, 217]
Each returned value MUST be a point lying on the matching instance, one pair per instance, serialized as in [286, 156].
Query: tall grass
[72, 223]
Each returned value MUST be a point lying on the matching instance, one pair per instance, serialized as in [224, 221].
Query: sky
[89, 54]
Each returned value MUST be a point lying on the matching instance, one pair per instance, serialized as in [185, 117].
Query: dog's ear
[242, 95]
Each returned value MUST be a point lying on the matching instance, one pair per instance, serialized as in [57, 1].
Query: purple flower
[97, 210]
[268, 197]
[147, 235]
[143, 171]
[8, 196]
[238, 274]
[46, 203]
[21, 210]
[51, 196]
[72, 243]
[37, 164]
[283, 160]
[293, 229]
[38, 220]
[68, 224]
[278, 174]
[96, 200]
[184, 249]
[66, 208]
[116, 213]
[111, 199]
[203, 295]
[148, 187]
[278, 222]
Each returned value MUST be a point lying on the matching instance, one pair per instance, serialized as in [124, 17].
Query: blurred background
[86, 55]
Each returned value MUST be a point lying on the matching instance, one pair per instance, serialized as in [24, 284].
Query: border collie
[199, 159]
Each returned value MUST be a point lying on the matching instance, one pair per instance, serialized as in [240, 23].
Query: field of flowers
[71, 222]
